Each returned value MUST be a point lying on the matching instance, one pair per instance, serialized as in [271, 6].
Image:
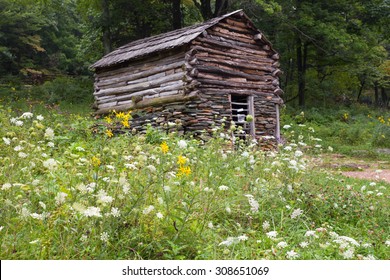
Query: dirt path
[362, 169]
[383, 175]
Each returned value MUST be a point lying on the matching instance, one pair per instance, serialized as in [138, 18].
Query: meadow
[72, 188]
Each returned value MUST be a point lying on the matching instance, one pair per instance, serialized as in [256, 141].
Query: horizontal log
[233, 41]
[140, 86]
[229, 46]
[225, 72]
[149, 103]
[235, 28]
[229, 54]
[246, 85]
[132, 76]
[232, 35]
[239, 64]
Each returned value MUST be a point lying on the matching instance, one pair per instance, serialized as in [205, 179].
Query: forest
[330, 50]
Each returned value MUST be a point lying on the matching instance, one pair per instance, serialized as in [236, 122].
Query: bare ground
[362, 169]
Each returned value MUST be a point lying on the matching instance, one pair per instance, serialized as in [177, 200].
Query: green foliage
[67, 193]
[381, 136]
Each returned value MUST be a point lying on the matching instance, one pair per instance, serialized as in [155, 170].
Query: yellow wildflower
[95, 161]
[164, 147]
[120, 115]
[125, 123]
[109, 133]
[108, 119]
[181, 160]
[184, 170]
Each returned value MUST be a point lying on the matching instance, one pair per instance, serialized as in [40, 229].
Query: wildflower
[292, 254]
[304, 244]
[281, 244]
[37, 216]
[253, 203]
[92, 212]
[228, 210]
[349, 239]
[148, 209]
[125, 123]
[242, 237]
[1, 228]
[164, 147]
[40, 118]
[95, 161]
[245, 154]
[115, 212]
[49, 133]
[286, 126]
[272, 234]
[181, 160]
[287, 148]
[151, 168]
[387, 243]
[159, 215]
[296, 213]
[348, 254]
[266, 225]
[43, 205]
[7, 141]
[22, 155]
[104, 237]
[18, 123]
[210, 225]
[83, 238]
[60, 198]
[50, 164]
[109, 133]
[6, 186]
[34, 241]
[229, 241]
[26, 115]
[184, 170]
[311, 233]
[223, 188]
[167, 188]
[182, 144]
[103, 197]
[108, 119]
[50, 144]
[298, 153]
[18, 148]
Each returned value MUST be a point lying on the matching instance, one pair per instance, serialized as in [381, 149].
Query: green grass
[69, 193]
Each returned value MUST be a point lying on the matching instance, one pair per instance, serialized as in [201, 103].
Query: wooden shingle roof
[161, 42]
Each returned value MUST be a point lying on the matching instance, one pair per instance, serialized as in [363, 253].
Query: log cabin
[222, 69]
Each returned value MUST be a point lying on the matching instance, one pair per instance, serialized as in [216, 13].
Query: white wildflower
[148, 209]
[229, 241]
[253, 203]
[281, 244]
[115, 212]
[245, 154]
[83, 238]
[387, 243]
[349, 240]
[106, 179]
[80, 149]
[43, 205]
[223, 188]
[1, 228]
[311, 233]
[92, 212]
[151, 168]
[266, 225]
[159, 215]
[49, 133]
[298, 153]
[37, 216]
[18, 148]
[40, 118]
[242, 237]
[27, 115]
[286, 126]
[296, 213]
[18, 123]
[304, 244]
[369, 258]
[367, 245]
[167, 188]
[348, 254]
[292, 254]
[6, 186]
[103, 197]
[372, 184]
[272, 234]
[50, 144]
[34, 241]
[50, 164]
[22, 155]
[210, 225]
[228, 210]
[182, 144]
[60, 198]
[287, 148]
[7, 141]
[104, 237]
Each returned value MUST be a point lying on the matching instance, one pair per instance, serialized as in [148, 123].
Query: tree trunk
[177, 17]
[385, 98]
[221, 7]
[376, 91]
[301, 67]
[362, 82]
[106, 26]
